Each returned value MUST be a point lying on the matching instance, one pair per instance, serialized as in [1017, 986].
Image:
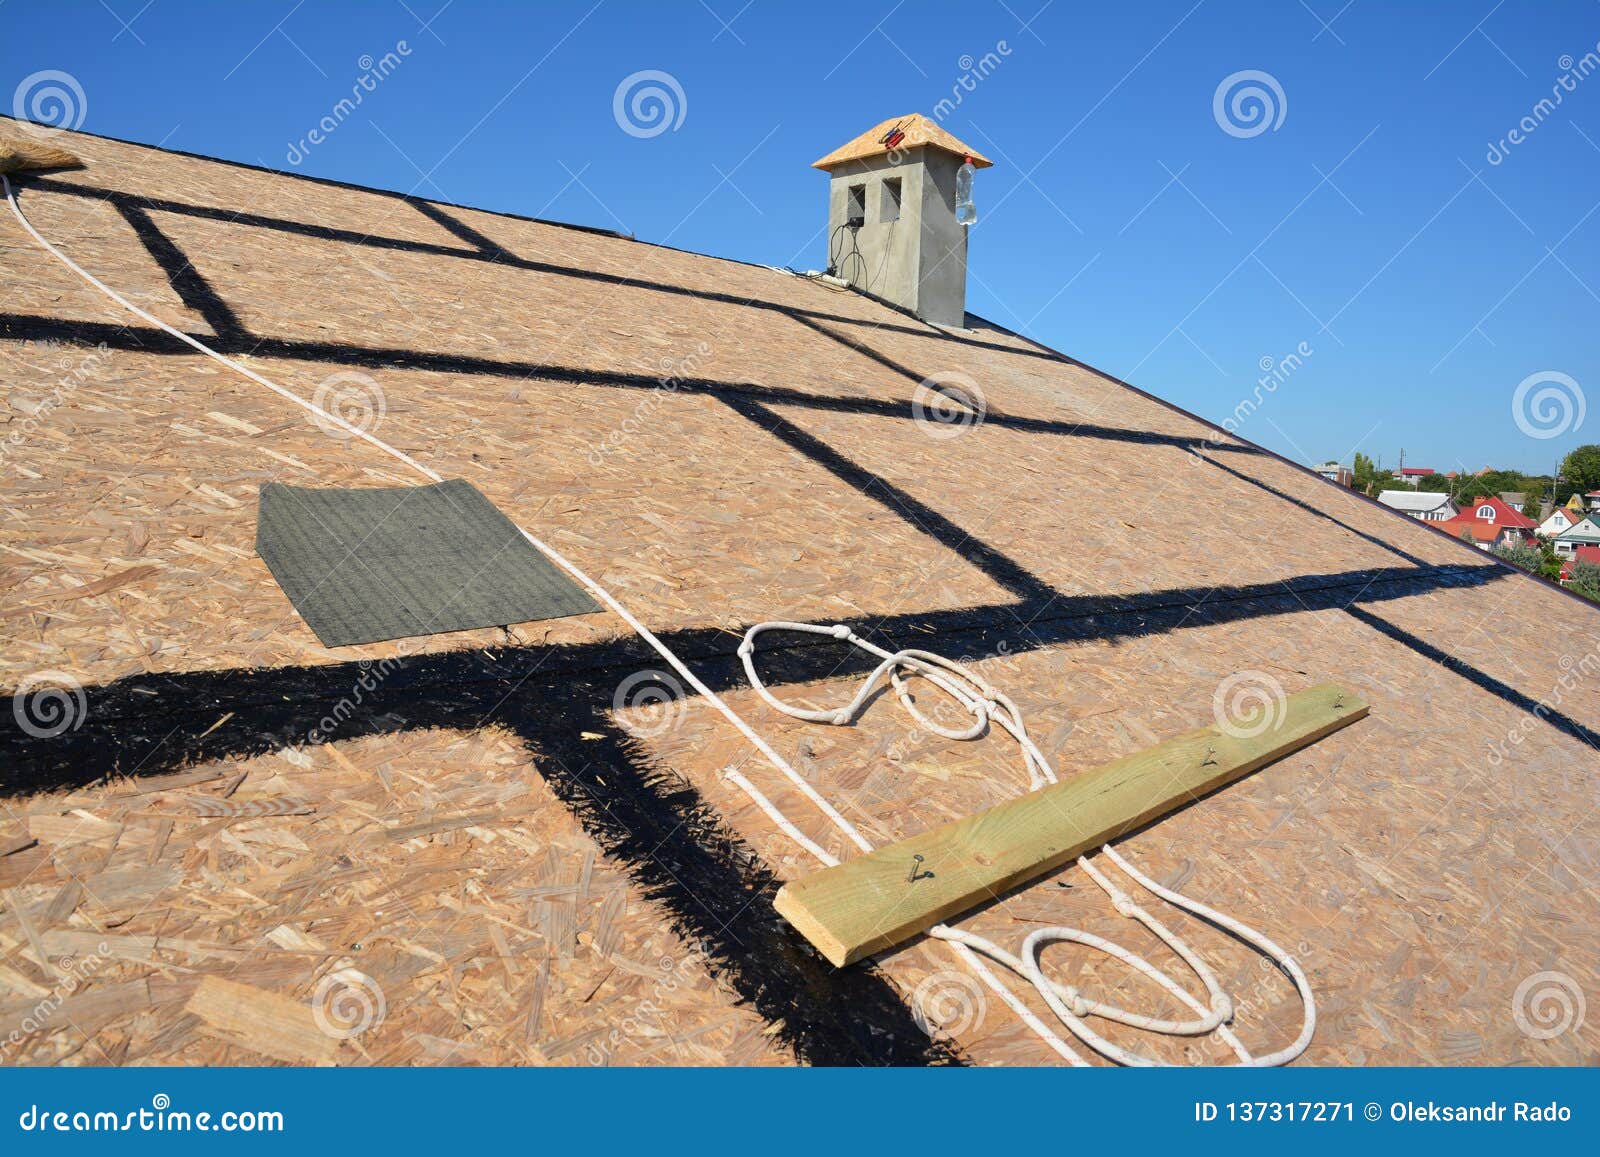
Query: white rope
[971, 690]
[985, 704]
[549, 551]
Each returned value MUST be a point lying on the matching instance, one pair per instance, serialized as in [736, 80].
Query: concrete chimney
[892, 228]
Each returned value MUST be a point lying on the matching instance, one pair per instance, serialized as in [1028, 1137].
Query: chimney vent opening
[855, 212]
[889, 202]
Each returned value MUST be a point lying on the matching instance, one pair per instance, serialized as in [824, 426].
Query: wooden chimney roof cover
[918, 129]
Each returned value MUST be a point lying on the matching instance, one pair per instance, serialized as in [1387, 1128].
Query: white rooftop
[1413, 501]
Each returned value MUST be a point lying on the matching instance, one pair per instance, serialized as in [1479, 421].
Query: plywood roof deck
[527, 880]
[917, 131]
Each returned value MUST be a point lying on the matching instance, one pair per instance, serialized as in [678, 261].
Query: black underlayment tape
[485, 250]
[644, 816]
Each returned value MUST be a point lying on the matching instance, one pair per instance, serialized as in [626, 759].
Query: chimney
[892, 228]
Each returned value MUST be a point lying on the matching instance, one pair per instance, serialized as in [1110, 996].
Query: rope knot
[841, 717]
[746, 649]
[840, 631]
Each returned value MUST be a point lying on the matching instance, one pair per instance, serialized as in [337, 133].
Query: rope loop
[986, 705]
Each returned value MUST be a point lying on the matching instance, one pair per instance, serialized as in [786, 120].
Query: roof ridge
[336, 183]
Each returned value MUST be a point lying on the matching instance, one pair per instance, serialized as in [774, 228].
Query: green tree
[1522, 555]
[1550, 567]
[1585, 580]
[1368, 478]
[1580, 472]
[1466, 489]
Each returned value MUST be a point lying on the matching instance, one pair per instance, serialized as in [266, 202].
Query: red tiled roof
[1589, 554]
[1503, 515]
[1464, 525]
[1419, 471]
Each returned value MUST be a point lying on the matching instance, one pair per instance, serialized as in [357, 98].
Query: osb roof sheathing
[239, 825]
[918, 130]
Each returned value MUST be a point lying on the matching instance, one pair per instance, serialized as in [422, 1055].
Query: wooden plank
[880, 899]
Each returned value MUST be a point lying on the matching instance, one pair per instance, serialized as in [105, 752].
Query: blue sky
[1122, 222]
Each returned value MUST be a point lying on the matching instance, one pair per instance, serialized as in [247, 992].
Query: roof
[1586, 527]
[918, 130]
[1503, 515]
[1419, 501]
[479, 833]
[1417, 470]
[1588, 554]
[1466, 526]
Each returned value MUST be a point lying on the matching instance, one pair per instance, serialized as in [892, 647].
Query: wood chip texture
[224, 843]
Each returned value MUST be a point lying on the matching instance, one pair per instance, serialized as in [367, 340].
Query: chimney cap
[917, 130]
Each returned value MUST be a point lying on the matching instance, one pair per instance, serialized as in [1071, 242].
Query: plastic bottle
[966, 211]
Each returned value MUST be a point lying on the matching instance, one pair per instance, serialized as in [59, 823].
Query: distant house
[1575, 503]
[1488, 523]
[1421, 505]
[1589, 554]
[1515, 499]
[1411, 475]
[1334, 472]
[1594, 499]
[1585, 532]
[1559, 521]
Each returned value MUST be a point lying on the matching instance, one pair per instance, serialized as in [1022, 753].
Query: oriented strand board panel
[434, 903]
[720, 443]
